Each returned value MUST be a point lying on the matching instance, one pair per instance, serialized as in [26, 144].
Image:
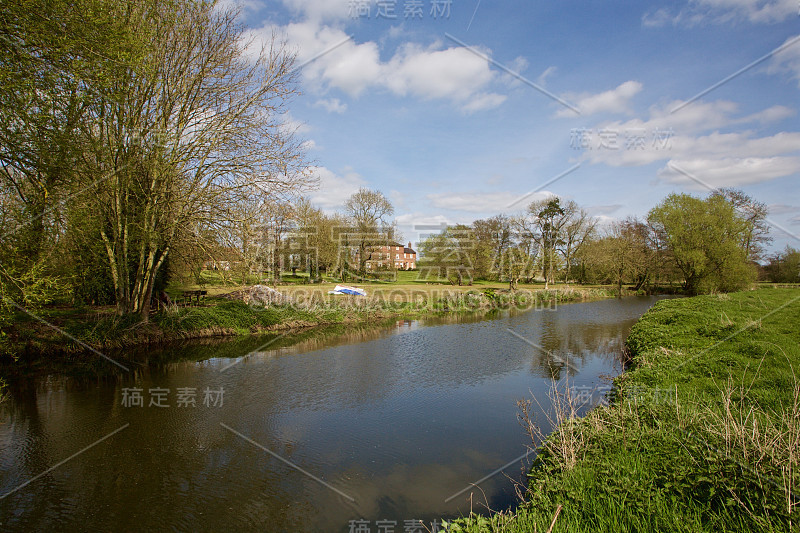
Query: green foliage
[706, 239]
[450, 255]
[784, 267]
[703, 435]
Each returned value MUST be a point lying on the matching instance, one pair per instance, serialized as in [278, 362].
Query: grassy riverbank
[703, 434]
[101, 329]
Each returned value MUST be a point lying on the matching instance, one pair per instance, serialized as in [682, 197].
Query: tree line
[706, 244]
[141, 140]
[293, 234]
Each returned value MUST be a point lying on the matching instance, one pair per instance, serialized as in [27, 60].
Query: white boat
[345, 289]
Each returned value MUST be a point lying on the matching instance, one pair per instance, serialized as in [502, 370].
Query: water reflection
[399, 416]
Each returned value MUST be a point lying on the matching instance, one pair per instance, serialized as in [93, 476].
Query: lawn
[407, 287]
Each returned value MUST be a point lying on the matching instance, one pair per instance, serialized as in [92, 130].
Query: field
[409, 285]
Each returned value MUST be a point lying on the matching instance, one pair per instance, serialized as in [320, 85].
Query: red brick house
[394, 256]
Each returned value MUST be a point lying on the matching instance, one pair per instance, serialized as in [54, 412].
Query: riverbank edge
[597, 493]
[236, 319]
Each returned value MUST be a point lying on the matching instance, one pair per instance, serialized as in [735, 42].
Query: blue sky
[463, 113]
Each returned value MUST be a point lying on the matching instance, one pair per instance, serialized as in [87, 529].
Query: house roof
[406, 249]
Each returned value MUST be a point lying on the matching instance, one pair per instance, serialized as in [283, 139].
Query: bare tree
[369, 211]
[277, 222]
[184, 135]
[544, 224]
[756, 232]
[577, 231]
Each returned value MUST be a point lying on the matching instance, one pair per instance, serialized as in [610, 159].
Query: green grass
[103, 329]
[703, 434]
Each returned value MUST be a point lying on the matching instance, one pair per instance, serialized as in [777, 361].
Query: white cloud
[396, 32]
[398, 199]
[294, 126]
[453, 73]
[417, 226]
[318, 10]
[518, 65]
[730, 171]
[613, 101]
[721, 12]
[335, 189]
[416, 219]
[334, 105]
[603, 210]
[331, 61]
[485, 202]
[782, 209]
[691, 140]
[483, 101]
[788, 59]
[328, 56]
[657, 18]
[604, 222]
[771, 114]
[542, 79]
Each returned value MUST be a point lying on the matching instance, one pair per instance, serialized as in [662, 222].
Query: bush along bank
[702, 434]
[32, 339]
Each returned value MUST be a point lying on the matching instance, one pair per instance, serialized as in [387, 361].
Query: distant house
[393, 255]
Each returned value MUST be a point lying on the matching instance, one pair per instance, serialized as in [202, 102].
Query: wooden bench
[197, 295]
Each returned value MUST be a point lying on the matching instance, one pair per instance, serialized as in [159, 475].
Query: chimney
[409, 244]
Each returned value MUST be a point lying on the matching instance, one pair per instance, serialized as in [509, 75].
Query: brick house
[394, 255]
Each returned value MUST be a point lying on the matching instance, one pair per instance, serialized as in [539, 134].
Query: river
[327, 431]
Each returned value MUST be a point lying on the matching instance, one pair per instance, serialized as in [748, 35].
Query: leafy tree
[754, 214]
[49, 51]
[621, 255]
[493, 236]
[450, 254]
[784, 267]
[707, 238]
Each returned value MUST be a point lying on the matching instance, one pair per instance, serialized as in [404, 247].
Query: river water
[327, 431]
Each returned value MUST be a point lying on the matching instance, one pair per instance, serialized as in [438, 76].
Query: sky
[459, 110]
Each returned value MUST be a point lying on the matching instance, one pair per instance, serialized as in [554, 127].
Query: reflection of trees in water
[416, 491]
[166, 459]
[181, 458]
[577, 333]
[568, 346]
